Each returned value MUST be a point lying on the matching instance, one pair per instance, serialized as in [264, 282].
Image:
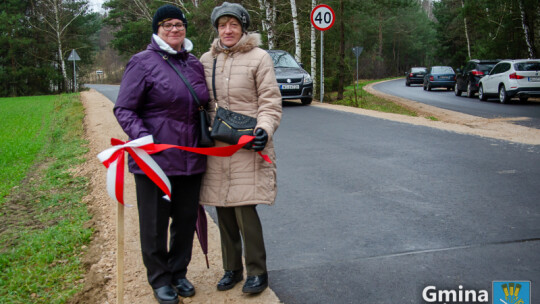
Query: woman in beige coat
[244, 81]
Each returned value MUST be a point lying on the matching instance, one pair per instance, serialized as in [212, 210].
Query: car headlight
[307, 79]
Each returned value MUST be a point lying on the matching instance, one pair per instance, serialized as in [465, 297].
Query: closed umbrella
[202, 232]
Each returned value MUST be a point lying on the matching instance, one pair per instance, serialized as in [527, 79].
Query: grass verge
[42, 218]
[24, 126]
[365, 100]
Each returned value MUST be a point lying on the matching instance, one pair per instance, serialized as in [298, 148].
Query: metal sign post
[357, 50]
[322, 67]
[74, 57]
[322, 18]
[99, 74]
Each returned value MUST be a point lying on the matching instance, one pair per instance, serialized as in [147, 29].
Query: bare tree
[466, 29]
[269, 22]
[297, 44]
[380, 20]
[53, 18]
[179, 3]
[341, 65]
[141, 9]
[526, 30]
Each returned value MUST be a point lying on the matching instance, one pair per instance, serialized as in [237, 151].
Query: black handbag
[229, 126]
[205, 140]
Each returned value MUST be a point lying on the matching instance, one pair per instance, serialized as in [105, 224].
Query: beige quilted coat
[245, 83]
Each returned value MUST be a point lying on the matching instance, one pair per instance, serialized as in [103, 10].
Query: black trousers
[165, 265]
[237, 224]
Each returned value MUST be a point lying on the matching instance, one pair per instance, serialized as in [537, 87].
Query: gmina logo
[513, 292]
[430, 294]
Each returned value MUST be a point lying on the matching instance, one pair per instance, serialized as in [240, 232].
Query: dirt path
[100, 283]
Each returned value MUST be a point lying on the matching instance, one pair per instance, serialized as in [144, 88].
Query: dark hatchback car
[415, 75]
[440, 77]
[467, 78]
[294, 82]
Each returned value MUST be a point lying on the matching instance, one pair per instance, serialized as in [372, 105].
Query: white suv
[511, 78]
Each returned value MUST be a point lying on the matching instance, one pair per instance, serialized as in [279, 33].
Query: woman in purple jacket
[153, 100]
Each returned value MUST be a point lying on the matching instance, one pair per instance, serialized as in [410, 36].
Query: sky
[95, 5]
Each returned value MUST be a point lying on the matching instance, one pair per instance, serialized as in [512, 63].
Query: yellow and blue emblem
[511, 292]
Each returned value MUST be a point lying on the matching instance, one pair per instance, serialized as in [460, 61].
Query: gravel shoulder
[497, 128]
[101, 281]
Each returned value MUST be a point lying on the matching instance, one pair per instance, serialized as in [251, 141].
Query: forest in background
[37, 36]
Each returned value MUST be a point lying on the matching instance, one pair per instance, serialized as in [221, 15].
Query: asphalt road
[448, 100]
[110, 91]
[373, 211]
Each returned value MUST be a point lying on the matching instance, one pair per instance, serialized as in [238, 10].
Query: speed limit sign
[322, 17]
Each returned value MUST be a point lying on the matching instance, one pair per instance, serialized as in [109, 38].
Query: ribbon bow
[140, 149]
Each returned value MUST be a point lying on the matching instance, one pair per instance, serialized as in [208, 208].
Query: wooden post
[120, 254]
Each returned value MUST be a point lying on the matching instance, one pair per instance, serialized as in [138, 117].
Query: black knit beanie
[167, 12]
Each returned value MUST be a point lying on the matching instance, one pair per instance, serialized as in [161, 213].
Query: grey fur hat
[231, 9]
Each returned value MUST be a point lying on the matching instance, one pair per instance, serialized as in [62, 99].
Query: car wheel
[429, 86]
[503, 96]
[481, 94]
[456, 90]
[470, 92]
[306, 101]
[407, 83]
[424, 86]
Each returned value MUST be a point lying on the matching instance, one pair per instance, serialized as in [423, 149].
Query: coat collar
[161, 46]
[248, 42]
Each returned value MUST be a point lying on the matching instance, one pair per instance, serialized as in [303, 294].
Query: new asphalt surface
[373, 211]
[444, 99]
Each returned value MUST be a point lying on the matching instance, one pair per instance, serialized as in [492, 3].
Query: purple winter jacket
[153, 100]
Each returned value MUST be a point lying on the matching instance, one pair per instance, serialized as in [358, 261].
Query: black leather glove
[260, 140]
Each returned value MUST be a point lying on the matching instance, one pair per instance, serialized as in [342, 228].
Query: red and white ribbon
[140, 149]
[113, 159]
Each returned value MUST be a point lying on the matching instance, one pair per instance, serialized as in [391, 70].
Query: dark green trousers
[237, 224]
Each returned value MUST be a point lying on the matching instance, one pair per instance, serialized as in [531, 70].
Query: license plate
[444, 77]
[290, 86]
[420, 75]
[534, 78]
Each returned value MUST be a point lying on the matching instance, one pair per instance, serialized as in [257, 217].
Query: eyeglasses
[169, 26]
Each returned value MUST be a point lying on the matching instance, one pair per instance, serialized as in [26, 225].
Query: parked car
[511, 78]
[467, 78]
[440, 77]
[415, 75]
[294, 82]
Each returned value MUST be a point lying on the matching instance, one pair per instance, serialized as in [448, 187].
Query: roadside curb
[496, 128]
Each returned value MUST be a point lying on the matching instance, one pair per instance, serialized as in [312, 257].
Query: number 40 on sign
[322, 17]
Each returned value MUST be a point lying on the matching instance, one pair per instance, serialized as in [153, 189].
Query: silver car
[294, 82]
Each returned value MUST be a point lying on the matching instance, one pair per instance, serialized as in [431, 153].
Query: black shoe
[230, 278]
[184, 288]
[256, 284]
[166, 295]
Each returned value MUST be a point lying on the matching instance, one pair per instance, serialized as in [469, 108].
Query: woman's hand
[260, 140]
